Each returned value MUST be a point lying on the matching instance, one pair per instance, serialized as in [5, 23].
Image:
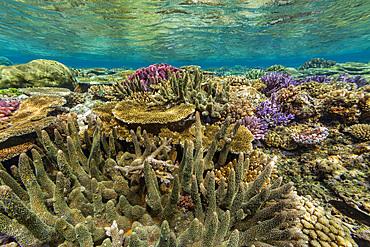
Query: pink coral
[152, 75]
[7, 109]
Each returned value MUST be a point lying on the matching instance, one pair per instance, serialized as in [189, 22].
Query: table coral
[131, 112]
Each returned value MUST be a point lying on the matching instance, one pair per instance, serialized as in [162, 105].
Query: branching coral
[257, 126]
[143, 78]
[88, 194]
[7, 109]
[271, 112]
[276, 81]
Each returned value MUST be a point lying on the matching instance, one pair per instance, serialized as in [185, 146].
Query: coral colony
[7, 109]
[153, 74]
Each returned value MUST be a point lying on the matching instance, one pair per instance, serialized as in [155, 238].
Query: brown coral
[133, 112]
[360, 131]
[32, 115]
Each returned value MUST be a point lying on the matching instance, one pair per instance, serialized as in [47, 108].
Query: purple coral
[313, 136]
[151, 75]
[317, 78]
[256, 126]
[357, 79]
[270, 111]
[276, 81]
[7, 108]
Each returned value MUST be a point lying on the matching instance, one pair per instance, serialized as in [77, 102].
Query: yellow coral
[321, 228]
[360, 131]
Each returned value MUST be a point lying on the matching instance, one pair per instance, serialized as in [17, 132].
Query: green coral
[90, 193]
[255, 74]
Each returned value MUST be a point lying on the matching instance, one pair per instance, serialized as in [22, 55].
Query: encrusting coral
[76, 200]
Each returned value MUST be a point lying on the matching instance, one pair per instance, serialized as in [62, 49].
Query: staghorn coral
[209, 96]
[270, 111]
[321, 228]
[275, 81]
[310, 136]
[143, 78]
[360, 131]
[316, 78]
[360, 82]
[106, 92]
[99, 196]
[256, 126]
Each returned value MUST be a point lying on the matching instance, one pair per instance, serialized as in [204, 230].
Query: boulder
[37, 73]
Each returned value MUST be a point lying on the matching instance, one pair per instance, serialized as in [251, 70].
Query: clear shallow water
[114, 33]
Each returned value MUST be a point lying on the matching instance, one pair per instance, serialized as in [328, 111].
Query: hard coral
[321, 228]
[276, 81]
[256, 126]
[144, 77]
[360, 131]
[8, 108]
[317, 63]
[360, 82]
[89, 194]
[311, 136]
[271, 112]
[131, 112]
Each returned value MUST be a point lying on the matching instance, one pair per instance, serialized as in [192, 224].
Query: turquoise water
[111, 33]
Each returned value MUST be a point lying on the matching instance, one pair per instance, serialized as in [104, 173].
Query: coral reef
[242, 102]
[360, 131]
[275, 81]
[321, 228]
[317, 78]
[131, 112]
[270, 111]
[310, 136]
[256, 126]
[101, 204]
[255, 74]
[275, 68]
[143, 78]
[360, 82]
[317, 63]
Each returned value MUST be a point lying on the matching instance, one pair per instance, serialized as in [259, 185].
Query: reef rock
[37, 73]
